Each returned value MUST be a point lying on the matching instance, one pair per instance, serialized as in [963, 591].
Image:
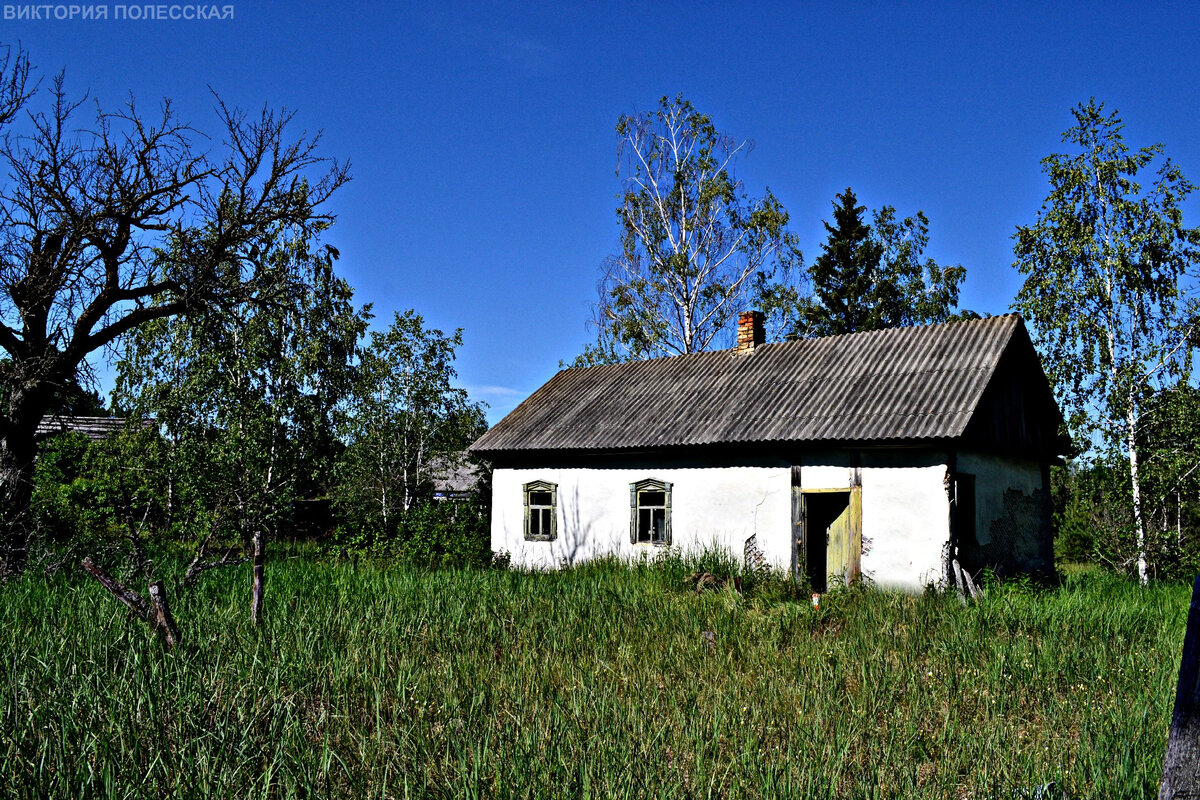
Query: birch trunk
[1136, 486]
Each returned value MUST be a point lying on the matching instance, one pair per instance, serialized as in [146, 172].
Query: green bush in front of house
[93, 497]
[432, 534]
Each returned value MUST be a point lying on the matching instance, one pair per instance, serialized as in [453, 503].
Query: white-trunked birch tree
[694, 247]
[1111, 289]
[248, 397]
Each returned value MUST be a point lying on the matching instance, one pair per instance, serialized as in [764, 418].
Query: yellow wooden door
[838, 552]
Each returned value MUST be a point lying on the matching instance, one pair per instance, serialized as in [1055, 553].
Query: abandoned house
[885, 455]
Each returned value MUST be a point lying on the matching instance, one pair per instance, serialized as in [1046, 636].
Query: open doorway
[831, 533]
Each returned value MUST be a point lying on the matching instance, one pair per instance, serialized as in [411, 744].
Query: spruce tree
[843, 276]
[875, 276]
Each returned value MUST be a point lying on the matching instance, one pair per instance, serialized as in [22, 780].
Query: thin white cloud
[493, 391]
[533, 57]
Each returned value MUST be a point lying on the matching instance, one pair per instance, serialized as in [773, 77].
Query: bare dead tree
[111, 223]
[15, 87]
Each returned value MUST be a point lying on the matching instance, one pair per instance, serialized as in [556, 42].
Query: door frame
[800, 532]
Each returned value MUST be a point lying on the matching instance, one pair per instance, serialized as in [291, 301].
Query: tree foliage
[101, 498]
[694, 246]
[248, 395]
[117, 218]
[1110, 291]
[874, 276]
[407, 424]
[1169, 441]
[1092, 496]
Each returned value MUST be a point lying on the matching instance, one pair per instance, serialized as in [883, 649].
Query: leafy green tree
[248, 395]
[113, 222]
[1170, 468]
[694, 246]
[408, 421]
[1109, 289]
[100, 497]
[874, 276]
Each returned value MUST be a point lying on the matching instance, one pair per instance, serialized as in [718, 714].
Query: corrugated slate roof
[894, 385]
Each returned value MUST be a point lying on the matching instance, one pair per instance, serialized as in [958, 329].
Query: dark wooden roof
[94, 428]
[454, 475]
[896, 386]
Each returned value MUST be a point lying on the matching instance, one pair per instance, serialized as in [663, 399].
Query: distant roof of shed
[94, 428]
[879, 387]
[453, 474]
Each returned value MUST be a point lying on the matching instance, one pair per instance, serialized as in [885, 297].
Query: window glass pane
[658, 516]
[535, 522]
[540, 499]
[644, 524]
[652, 498]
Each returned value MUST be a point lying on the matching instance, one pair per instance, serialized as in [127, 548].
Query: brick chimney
[750, 331]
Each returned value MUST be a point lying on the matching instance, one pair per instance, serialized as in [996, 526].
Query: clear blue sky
[482, 140]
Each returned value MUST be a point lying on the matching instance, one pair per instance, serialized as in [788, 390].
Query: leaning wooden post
[130, 598]
[1181, 767]
[155, 613]
[256, 591]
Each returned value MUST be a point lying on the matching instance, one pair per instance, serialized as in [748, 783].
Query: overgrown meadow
[597, 681]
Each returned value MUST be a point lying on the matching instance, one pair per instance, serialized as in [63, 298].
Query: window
[541, 521]
[650, 512]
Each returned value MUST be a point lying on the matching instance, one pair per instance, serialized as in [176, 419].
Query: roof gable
[888, 386]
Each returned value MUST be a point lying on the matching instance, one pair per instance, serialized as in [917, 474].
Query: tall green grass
[590, 682]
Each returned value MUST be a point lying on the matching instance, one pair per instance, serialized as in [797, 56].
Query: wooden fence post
[1181, 767]
[256, 590]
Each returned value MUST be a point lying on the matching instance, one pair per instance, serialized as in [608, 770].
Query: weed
[604, 680]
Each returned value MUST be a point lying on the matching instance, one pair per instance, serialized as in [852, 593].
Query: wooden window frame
[541, 486]
[649, 485]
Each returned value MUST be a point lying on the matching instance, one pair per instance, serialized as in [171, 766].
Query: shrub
[433, 534]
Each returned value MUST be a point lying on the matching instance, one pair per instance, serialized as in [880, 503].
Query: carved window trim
[650, 513]
[541, 512]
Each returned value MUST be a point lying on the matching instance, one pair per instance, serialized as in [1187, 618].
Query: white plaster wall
[905, 512]
[906, 524]
[825, 476]
[710, 506]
